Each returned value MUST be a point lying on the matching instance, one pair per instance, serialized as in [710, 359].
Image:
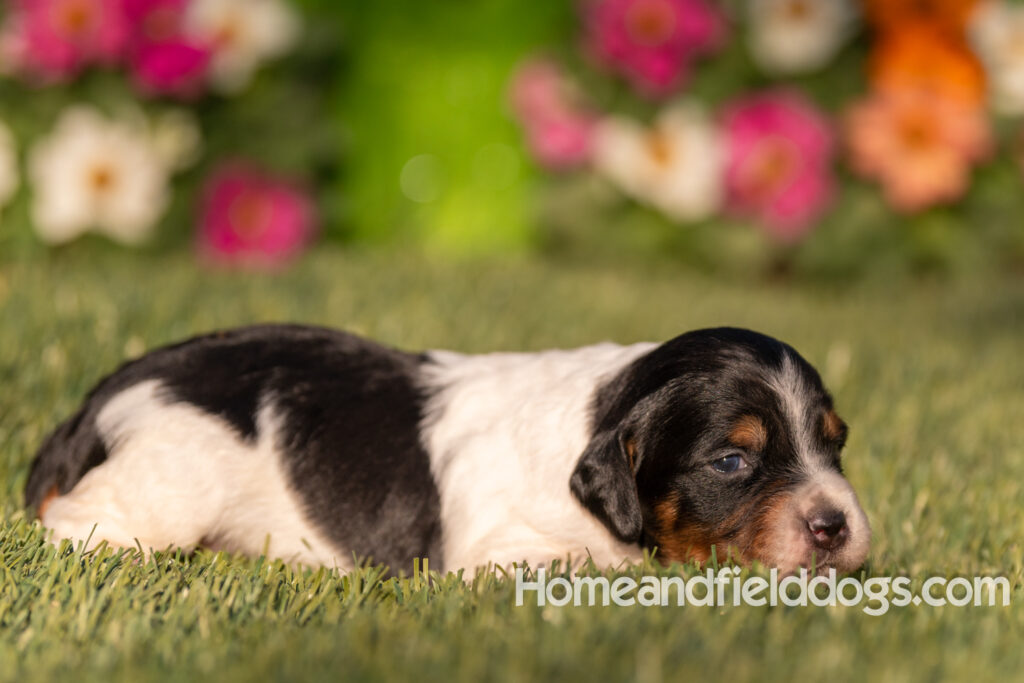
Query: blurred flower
[53, 39]
[652, 42]
[249, 218]
[557, 124]
[919, 59]
[176, 138]
[8, 165]
[243, 34]
[797, 36]
[949, 16]
[779, 162]
[12, 48]
[919, 147]
[997, 34]
[675, 165]
[164, 60]
[91, 172]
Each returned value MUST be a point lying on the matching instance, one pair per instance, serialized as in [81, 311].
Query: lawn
[929, 374]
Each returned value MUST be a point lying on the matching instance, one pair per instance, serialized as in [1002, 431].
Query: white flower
[244, 33]
[997, 32]
[95, 173]
[177, 138]
[797, 36]
[8, 165]
[675, 165]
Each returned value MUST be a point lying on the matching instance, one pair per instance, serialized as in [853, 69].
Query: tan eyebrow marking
[833, 426]
[749, 433]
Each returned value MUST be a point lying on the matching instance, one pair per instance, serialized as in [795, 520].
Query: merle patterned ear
[603, 482]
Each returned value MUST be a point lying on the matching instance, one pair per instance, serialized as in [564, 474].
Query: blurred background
[757, 138]
[478, 175]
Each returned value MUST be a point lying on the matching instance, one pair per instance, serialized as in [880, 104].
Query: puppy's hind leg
[113, 503]
[162, 483]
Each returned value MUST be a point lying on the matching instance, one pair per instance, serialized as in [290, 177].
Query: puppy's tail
[73, 449]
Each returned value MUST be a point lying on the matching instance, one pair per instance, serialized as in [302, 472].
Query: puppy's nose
[828, 528]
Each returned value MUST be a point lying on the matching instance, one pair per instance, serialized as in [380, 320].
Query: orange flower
[949, 16]
[918, 146]
[918, 58]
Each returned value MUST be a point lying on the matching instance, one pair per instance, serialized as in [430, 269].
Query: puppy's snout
[828, 528]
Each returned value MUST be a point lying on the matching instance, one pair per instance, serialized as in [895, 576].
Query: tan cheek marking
[47, 499]
[833, 426]
[631, 454]
[749, 433]
[751, 532]
[766, 530]
[667, 512]
[755, 531]
[684, 543]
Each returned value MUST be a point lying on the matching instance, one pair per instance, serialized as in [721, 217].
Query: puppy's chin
[789, 557]
[812, 559]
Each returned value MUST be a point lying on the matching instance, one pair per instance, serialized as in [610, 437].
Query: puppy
[323, 448]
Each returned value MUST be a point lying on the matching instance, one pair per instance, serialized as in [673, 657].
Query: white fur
[788, 384]
[504, 432]
[177, 475]
[791, 547]
[823, 485]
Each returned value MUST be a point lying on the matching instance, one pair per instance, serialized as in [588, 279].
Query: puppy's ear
[603, 481]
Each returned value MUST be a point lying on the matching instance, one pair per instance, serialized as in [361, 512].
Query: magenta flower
[558, 125]
[249, 218]
[779, 168]
[57, 38]
[652, 42]
[163, 59]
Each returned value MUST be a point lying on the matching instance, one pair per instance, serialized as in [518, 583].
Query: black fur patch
[350, 411]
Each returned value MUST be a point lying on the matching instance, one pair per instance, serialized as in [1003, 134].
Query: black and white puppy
[318, 447]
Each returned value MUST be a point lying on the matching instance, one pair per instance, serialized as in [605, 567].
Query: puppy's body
[505, 432]
[319, 447]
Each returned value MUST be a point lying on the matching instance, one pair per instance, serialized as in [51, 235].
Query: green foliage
[928, 374]
[430, 79]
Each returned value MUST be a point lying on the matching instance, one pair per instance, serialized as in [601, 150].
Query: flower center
[917, 132]
[101, 179]
[250, 216]
[75, 18]
[796, 10]
[770, 167]
[659, 148]
[650, 22]
[228, 32]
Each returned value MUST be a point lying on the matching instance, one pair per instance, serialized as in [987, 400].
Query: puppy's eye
[730, 463]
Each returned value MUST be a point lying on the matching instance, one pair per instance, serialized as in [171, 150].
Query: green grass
[929, 375]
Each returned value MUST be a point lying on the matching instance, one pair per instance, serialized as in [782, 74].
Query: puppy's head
[723, 438]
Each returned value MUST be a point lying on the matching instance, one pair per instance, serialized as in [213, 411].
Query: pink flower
[652, 42]
[164, 60]
[557, 124]
[56, 38]
[249, 218]
[779, 167]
